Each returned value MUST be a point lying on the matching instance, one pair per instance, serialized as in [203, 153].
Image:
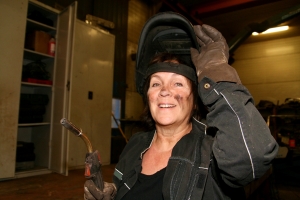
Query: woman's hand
[91, 192]
[212, 61]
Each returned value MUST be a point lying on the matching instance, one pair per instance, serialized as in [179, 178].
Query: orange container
[37, 41]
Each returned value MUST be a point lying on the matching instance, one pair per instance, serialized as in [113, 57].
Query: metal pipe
[124, 136]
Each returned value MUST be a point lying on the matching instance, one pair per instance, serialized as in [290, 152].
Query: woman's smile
[166, 105]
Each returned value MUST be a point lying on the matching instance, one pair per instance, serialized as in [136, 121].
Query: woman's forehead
[167, 74]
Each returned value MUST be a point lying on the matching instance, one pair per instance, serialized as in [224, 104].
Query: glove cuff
[220, 73]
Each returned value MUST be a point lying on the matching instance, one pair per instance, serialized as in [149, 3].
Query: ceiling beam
[217, 5]
[182, 10]
[199, 10]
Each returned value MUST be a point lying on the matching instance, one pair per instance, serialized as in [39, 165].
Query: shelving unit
[74, 63]
[283, 127]
[38, 132]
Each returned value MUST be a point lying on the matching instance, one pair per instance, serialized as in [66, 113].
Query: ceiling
[236, 19]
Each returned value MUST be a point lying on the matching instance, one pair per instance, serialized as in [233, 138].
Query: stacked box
[37, 41]
[25, 155]
[32, 108]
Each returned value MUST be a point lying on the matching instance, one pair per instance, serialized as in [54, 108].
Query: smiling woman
[179, 157]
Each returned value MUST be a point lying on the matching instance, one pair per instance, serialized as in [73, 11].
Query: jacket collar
[198, 130]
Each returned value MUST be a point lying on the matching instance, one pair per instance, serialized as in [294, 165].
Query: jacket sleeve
[244, 147]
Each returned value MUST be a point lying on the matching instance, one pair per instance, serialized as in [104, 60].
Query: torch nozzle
[71, 127]
[78, 132]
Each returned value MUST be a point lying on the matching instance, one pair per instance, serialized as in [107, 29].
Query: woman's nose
[165, 92]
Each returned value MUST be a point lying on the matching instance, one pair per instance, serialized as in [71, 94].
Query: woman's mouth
[166, 105]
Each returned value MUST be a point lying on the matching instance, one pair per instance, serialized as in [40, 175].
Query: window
[116, 110]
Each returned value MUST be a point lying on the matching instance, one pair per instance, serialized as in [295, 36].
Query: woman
[181, 158]
[171, 100]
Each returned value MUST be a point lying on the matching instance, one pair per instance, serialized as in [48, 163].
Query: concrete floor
[58, 187]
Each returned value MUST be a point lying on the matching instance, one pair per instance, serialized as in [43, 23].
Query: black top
[147, 187]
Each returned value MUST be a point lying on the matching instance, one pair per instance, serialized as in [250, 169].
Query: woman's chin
[165, 122]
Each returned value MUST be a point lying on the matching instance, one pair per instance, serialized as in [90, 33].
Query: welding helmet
[164, 32]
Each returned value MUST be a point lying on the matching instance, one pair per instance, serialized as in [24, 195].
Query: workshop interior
[66, 61]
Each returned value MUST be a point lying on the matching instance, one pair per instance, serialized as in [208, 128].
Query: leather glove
[93, 169]
[91, 192]
[212, 61]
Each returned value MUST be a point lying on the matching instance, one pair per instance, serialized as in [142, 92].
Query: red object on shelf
[33, 80]
[51, 47]
[292, 143]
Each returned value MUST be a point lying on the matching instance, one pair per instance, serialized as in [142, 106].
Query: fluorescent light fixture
[272, 30]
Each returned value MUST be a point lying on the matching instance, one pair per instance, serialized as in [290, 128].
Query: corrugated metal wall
[271, 69]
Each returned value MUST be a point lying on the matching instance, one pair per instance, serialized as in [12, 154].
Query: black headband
[177, 68]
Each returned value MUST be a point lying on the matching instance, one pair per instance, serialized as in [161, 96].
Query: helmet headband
[177, 68]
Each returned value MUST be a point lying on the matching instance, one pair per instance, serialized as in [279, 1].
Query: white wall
[270, 70]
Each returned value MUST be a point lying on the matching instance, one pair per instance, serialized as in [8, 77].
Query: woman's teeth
[166, 105]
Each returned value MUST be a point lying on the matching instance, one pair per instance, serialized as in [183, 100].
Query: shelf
[282, 117]
[35, 84]
[285, 116]
[34, 55]
[34, 124]
[41, 7]
[32, 172]
[45, 10]
[34, 25]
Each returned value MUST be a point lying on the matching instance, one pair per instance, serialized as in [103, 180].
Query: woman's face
[170, 98]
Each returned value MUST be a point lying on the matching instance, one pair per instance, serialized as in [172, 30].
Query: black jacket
[242, 150]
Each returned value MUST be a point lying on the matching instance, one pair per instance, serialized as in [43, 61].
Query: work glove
[93, 169]
[91, 192]
[212, 61]
[94, 187]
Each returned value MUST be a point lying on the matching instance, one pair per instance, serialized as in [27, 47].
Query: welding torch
[92, 161]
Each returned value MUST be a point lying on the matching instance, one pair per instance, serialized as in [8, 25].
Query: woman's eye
[155, 84]
[178, 84]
